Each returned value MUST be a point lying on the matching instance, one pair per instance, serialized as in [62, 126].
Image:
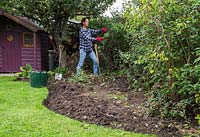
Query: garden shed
[22, 42]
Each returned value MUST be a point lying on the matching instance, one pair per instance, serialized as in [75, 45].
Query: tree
[54, 15]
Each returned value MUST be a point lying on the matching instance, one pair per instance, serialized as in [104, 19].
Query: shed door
[1, 51]
[11, 51]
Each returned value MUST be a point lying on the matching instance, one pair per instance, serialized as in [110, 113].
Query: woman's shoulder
[84, 29]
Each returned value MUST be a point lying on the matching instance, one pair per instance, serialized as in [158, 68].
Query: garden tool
[96, 51]
[61, 47]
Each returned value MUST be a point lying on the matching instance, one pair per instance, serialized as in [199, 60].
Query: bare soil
[112, 104]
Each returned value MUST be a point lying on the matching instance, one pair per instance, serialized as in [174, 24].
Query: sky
[118, 5]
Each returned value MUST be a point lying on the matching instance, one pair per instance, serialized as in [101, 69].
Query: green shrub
[114, 41]
[164, 57]
[198, 118]
[51, 73]
[61, 70]
[83, 77]
[25, 70]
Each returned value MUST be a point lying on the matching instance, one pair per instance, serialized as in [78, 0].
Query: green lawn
[23, 115]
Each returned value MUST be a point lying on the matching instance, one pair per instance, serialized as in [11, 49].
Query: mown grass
[23, 115]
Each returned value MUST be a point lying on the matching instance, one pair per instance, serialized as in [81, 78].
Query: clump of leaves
[25, 70]
[82, 77]
[114, 41]
[51, 73]
[162, 58]
[61, 70]
[198, 118]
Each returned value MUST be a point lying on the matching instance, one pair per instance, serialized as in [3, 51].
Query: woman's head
[85, 22]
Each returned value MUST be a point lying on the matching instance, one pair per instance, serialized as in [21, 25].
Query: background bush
[164, 56]
[114, 42]
[156, 44]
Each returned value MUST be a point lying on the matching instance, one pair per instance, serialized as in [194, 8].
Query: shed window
[28, 39]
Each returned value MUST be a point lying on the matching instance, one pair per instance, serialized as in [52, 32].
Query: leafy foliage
[61, 70]
[155, 43]
[83, 77]
[198, 118]
[114, 41]
[163, 58]
[53, 15]
[25, 70]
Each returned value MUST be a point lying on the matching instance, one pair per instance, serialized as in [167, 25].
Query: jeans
[82, 59]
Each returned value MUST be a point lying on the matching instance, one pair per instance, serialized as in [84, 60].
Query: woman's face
[86, 23]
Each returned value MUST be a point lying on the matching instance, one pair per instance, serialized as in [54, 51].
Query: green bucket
[38, 79]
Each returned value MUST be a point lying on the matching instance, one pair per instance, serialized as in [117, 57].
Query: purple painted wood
[28, 57]
[30, 51]
[35, 50]
[16, 54]
[1, 51]
[11, 52]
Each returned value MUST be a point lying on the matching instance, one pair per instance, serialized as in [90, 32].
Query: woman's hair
[83, 20]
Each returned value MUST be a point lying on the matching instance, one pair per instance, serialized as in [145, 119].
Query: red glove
[99, 39]
[104, 30]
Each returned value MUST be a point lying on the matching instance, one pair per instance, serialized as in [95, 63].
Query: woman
[86, 40]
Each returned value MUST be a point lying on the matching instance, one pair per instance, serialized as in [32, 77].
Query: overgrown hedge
[156, 44]
[165, 50]
[115, 40]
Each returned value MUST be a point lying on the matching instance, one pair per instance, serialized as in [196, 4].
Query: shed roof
[22, 21]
